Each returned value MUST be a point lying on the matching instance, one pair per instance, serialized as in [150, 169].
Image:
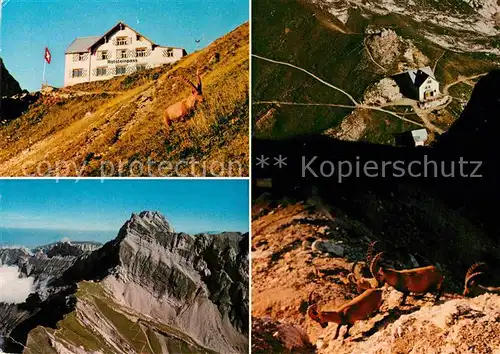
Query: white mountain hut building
[425, 83]
[122, 50]
[419, 84]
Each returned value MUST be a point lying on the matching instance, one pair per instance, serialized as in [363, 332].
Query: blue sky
[28, 26]
[190, 206]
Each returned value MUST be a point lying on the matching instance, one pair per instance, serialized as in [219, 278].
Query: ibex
[417, 280]
[359, 308]
[181, 109]
[472, 288]
[355, 277]
[363, 283]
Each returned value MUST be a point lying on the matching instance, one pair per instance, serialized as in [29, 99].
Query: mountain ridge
[197, 286]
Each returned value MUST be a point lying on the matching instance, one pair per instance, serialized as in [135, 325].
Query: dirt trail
[422, 113]
[371, 56]
[88, 93]
[461, 79]
[308, 73]
[437, 61]
[356, 103]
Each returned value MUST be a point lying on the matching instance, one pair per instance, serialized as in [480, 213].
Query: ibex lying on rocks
[472, 288]
[363, 283]
[359, 308]
[417, 280]
[181, 109]
[355, 277]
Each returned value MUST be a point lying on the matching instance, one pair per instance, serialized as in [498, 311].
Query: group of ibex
[417, 281]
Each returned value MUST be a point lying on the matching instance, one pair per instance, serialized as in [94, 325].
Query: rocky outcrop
[14, 106]
[63, 249]
[459, 25]
[274, 337]
[393, 52]
[8, 85]
[384, 91]
[11, 255]
[46, 263]
[352, 127]
[12, 99]
[455, 326]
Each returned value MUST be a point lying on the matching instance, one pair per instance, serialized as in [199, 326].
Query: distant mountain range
[33, 238]
[150, 290]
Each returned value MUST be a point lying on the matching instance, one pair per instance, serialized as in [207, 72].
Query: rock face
[13, 107]
[12, 101]
[390, 50]
[186, 273]
[8, 85]
[195, 284]
[63, 249]
[456, 25]
[46, 263]
[384, 91]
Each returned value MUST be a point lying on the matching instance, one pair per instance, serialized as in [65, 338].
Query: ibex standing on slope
[359, 308]
[180, 110]
[417, 280]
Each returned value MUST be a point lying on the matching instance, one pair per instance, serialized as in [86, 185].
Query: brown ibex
[363, 283]
[472, 288]
[180, 110]
[417, 280]
[360, 308]
[356, 278]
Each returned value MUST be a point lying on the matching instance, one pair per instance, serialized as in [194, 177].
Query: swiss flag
[48, 56]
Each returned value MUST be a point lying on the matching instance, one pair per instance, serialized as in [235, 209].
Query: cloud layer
[13, 289]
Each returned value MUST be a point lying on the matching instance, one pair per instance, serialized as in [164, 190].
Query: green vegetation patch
[285, 30]
[154, 341]
[383, 127]
[72, 331]
[38, 342]
[130, 330]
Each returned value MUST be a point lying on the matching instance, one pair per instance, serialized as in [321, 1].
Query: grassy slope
[290, 31]
[286, 30]
[72, 332]
[125, 123]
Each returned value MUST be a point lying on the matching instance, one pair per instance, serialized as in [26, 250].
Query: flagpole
[44, 65]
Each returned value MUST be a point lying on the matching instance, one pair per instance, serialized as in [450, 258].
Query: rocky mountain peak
[158, 273]
[146, 224]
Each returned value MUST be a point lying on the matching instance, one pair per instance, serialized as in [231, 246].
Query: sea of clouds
[14, 289]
